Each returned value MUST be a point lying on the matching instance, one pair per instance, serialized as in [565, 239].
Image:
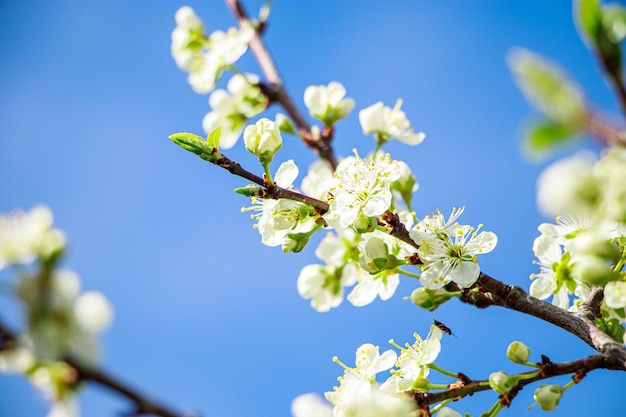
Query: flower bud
[263, 140]
[429, 299]
[364, 224]
[518, 352]
[548, 396]
[501, 383]
[295, 242]
[327, 103]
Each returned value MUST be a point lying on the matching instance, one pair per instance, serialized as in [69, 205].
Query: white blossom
[263, 139]
[412, 364]
[231, 108]
[24, 236]
[389, 123]
[318, 181]
[383, 285]
[310, 405]
[206, 58]
[448, 250]
[324, 284]
[362, 187]
[559, 185]
[359, 381]
[327, 103]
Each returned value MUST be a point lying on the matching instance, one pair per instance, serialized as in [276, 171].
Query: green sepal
[295, 242]
[544, 136]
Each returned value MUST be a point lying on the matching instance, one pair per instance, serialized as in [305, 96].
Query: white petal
[286, 173]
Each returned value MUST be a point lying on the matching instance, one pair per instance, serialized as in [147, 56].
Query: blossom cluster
[205, 58]
[360, 394]
[359, 250]
[585, 247]
[61, 320]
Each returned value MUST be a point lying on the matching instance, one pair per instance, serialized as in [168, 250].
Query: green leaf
[545, 136]
[189, 141]
[588, 14]
[547, 87]
[213, 140]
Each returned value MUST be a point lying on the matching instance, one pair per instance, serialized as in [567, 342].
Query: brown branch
[398, 229]
[548, 370]
[278, 93]
[590, 308]
[272, 191]
[143, 405]
[515, 298]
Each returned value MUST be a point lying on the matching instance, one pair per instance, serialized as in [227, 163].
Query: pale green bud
[548, 396]
[376, 257]
[263, 139]
[501, 383]
[295, 242]
[364, 224]
[429, 299]
[518, 352]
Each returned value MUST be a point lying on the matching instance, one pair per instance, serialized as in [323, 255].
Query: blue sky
[208, 319]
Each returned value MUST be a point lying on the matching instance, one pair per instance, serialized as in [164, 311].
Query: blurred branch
[277, 93]
[615, 77]
[143, 405]
[600, 128]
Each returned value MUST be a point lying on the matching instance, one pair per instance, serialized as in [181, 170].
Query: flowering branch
[547, 370]
[277, 92]
[142, 404]
[517, 299]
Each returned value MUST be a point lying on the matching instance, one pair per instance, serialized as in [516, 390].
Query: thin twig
[278, 93]
[579, 367]
[143, 405]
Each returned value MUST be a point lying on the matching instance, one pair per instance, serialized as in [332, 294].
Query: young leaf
[545, 85]
[588, 15]
[213, 140]
[546, 135]
[189, 141]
